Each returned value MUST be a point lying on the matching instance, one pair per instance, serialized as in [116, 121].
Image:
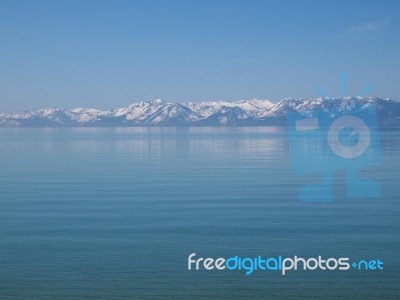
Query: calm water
[114, 213]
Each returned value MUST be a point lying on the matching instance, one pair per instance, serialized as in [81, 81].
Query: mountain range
[157, 112]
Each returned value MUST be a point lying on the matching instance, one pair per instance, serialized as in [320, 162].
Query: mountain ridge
[156, 112]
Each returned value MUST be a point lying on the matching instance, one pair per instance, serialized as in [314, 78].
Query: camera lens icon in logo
[324, 142]
[348, 137]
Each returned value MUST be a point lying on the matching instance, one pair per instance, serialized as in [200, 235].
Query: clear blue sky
[112, 53]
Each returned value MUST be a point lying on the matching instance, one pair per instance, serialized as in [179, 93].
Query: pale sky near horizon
[109, 54]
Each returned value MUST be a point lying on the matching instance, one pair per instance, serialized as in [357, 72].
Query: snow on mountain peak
[157, 112]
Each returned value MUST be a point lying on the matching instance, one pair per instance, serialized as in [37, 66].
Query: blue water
[114, 213]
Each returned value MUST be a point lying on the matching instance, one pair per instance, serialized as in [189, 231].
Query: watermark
[338, 135]
[283, 265]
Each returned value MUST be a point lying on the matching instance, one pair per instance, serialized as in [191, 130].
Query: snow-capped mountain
[157, 112]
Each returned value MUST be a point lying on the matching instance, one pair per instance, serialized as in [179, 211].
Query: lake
[113, 213]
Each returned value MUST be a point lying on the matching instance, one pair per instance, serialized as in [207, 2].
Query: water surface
[113, 213]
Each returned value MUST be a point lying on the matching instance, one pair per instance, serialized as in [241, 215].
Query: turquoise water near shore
[113, 213]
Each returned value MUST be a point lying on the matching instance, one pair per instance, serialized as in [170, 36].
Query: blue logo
[337, 138]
